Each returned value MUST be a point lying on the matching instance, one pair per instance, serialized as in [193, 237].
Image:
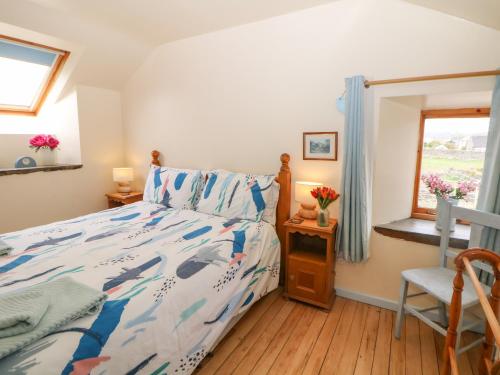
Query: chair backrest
[478, 220]
[490, 306]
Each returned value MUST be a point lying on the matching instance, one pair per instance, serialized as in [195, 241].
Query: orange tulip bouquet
[325, 196]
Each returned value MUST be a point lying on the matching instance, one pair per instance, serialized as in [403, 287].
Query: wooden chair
[438, 281]
[490, 307]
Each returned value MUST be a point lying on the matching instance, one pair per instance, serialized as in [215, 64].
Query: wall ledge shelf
[424, 231]
[49, 168]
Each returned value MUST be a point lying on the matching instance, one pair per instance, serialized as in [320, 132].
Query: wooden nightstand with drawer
[119, 199]
[310, 262]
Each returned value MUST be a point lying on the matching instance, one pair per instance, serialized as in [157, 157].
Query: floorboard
[428, 350]
[316, 358]
[412, 346]
[288, 352]
[245, 325]
[277, 310]
[280, 336]
[382, 353]
[366, 354]
[272, 352]
[252, 353]
[397, 364]
[474, 355]
[337, 346]
[347, 362]
[304, 348]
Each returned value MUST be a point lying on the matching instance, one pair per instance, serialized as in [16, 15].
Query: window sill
[424, 231]
[50, 168]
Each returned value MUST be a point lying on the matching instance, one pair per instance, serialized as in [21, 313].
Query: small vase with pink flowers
[45, 146]
[446, 193]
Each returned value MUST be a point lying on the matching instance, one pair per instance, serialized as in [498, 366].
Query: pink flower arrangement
[445, 190]
[44, 141]
[464, 188]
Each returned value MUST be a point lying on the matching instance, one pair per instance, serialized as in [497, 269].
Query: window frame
[61, 58]
[430, 213]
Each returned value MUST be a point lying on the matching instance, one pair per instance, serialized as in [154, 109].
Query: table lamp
[123, 176]
[307, 202]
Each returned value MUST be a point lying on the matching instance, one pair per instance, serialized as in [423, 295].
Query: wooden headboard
[284, 178]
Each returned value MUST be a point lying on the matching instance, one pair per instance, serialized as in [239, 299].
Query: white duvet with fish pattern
[174, 278]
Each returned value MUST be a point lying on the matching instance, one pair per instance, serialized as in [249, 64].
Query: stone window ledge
[50, 168]
[424, 231]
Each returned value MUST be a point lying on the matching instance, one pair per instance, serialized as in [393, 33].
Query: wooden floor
[286, 337]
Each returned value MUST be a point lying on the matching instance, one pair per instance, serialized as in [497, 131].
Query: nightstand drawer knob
[292, 277]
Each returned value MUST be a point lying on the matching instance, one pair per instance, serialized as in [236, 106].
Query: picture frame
[320, 146]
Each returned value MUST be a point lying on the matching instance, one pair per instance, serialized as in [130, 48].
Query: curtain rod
[483, 73]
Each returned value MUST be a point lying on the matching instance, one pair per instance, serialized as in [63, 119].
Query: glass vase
[441, 206]
[323, 218]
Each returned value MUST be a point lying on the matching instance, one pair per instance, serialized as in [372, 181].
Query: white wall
[43, 197]
[239, 97]
[459, 100]
[59, 119]
[396, 158]
[13, 146]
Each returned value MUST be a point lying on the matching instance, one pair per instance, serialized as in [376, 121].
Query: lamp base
[124, 188]
[308, 211]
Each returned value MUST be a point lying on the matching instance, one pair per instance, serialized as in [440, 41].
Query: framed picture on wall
[320, 146]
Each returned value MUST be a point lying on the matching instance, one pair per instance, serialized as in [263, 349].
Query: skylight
[27, 72]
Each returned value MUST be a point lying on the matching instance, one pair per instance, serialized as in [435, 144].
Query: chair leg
[403, 293]
[443, 317]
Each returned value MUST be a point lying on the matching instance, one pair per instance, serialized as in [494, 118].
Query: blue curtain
[352, 232]
[489, 192]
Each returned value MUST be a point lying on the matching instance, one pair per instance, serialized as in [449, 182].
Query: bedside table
[119, 199]
[310, 262]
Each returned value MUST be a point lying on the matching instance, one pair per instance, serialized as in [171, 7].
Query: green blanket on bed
[29, 314]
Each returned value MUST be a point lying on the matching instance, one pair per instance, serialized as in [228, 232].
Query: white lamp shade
[303, 191]
[123, 174]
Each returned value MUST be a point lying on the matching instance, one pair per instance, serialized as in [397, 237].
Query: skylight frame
[44, 90]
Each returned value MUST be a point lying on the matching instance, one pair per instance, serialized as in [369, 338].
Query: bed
[173, 282]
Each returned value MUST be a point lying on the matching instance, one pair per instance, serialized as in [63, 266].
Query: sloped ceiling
[161, 21]
[483, 12]
[117, 35]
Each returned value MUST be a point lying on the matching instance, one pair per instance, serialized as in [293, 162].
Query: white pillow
[240, 196]
[269, 215]
[176, 188]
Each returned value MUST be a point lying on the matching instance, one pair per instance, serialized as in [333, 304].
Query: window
[27, 72]
[452, 144]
